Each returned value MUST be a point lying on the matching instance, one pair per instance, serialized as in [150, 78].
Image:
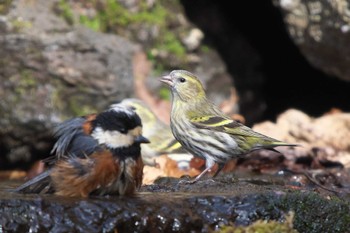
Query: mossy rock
[225, 204]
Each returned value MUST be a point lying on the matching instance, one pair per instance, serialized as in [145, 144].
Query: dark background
[268, 69]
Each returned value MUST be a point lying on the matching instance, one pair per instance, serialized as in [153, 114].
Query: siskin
[204, 130]
[161, 138]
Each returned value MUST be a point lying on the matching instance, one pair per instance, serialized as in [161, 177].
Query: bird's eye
[182, 80]
[123, 130]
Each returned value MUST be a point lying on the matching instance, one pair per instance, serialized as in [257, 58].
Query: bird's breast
[101, 173]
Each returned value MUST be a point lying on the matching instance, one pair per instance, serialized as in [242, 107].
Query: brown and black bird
[97, 154]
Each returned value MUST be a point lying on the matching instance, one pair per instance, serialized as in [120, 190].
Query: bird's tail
[39, 184]
[279, 143]
[271, 145]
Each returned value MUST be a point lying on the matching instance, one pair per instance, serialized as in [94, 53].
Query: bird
[204, 130]
[159, 133]
[94, 155]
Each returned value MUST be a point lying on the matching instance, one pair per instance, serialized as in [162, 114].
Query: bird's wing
[39, 184]
[72, 140]
[226, 125]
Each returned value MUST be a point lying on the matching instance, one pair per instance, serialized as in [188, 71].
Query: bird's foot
[195, 181]
[187, 181]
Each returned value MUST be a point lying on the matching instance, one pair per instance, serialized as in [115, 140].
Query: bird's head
[184, 85]
[118, 127]
[141, 108]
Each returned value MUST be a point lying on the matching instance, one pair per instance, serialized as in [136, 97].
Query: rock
[193, 39]
[50, 72]
[325, 136]
[321, 30]
[171, 207]
[53, 68]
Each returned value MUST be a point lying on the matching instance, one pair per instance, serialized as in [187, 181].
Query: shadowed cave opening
[270, 73]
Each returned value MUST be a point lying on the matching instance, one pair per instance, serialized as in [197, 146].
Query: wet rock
[168, 206]
[321, 30]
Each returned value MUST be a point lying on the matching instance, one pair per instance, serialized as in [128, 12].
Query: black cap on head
[122, 120]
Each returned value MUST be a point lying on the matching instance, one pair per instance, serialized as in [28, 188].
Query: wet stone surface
[168, 206]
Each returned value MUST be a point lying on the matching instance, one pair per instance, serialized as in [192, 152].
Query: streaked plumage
[204, 130]
[97, 154]
[161, 138]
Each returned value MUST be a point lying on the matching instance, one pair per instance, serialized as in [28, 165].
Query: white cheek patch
[112, 139]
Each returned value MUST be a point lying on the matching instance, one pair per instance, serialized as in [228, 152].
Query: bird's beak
[167, 80]
[141, 139]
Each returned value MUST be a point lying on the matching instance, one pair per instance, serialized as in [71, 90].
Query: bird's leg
[199, 176]
[208, 165]
[220, 167]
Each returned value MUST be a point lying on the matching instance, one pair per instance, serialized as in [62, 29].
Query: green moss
[263, 227]
[331, 216]
[56, 98]
[312, 213]
[94, 23]
[113, 17]
[77, 108]
[170, 43]
[65, 11]
[26, 83]
[27, 78]
[18, 25]
[4, 6]
[110, 16]
[68, 103]
[113, 14]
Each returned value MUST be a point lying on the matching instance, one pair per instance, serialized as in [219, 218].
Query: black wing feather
[37, 184]
[71, 142]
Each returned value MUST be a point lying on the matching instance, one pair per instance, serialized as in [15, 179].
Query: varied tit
[97, 154]
[160, 135]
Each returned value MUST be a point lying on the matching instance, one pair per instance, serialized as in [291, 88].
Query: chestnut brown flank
[100, 169]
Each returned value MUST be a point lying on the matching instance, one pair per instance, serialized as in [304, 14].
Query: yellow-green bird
[159, 134]
[204, 130]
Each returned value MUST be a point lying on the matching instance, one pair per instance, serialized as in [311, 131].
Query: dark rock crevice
[269, 71]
